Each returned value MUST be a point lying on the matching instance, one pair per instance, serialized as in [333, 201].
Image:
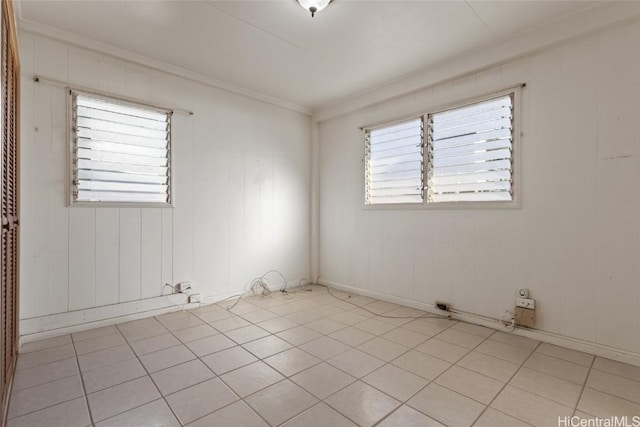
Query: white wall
[241, 170]
[575, 243]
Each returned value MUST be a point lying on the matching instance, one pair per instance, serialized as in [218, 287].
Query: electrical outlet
[444, 306]
[526, 303]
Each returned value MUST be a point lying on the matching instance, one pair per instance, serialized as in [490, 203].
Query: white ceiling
[277, 49]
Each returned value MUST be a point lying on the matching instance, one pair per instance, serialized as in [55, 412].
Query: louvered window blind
[470, 152]
[467, 157]
[121, 151]
[394, 163]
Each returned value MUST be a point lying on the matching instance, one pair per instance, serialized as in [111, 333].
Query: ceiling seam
[254, 26]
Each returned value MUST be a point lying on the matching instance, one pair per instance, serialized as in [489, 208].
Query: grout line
[584, 385]
[150, 377]
[84, 388]
[505, 386]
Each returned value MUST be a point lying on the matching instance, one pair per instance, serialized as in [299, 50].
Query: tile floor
[310, 359]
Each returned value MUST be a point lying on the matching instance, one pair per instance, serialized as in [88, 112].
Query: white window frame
[71, 158]
[516, 174]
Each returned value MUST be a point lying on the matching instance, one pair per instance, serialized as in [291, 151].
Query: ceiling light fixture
[314, 6]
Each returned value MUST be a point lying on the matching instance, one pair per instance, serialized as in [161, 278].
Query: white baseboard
[54, 325]
[535, 334]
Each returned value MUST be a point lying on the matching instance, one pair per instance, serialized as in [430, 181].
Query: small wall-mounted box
[525, 317]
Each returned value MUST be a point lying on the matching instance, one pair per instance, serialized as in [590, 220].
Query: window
[120, 151]
[394, 163]
[467, 157]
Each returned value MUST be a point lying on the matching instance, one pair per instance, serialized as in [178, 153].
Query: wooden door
[9, 81]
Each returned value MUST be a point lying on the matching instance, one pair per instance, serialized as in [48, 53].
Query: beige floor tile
[209, 345]
[200, 400]
[37, 375]
[614, 385]
[352, 336]
[515, 340]
[246, 334]
[73, 413]
[349, 318]
[259, 315]
[394, 320]
[111, 375]
[493, 418]
[425, 327]
[303, 317]
[181, 376]
[46, 343]
[228, 360]
[480, 331]
[180, 323]
[487, 365]
[421, 364]
[406, 416]
[617, 368]
[396, 382]
[292, 361]
[324, 347]
[267, 346]
[381, 307]
[362, 403]
[123, 397]
[547, 386]
[407, 311]
[356, 363]
[214, 316]
[99, 343]
[605, 405]
[405, 337]
[244, 307]
[463, 339]
[383, 349]
[251, 378]
[322, 380]
[93, 333]
[44, 395]
[238, 414]
[503, 351]
[446, 406]
[471, 384]
[227, 324]
[156, 413]
[573, 356]
[268, 402]
[557, 367]
[149, 345]
[299, 335]
[326, 326]
[319, 415]
[165, 358]
[327, 310]
[104, 358]
[147, 330]
[43, 357]
[443, 350]
[530, 407]
[278, 324]
[195, 333]
[375, 327]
